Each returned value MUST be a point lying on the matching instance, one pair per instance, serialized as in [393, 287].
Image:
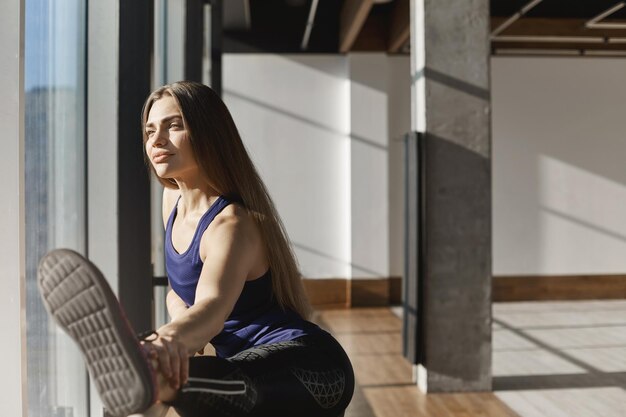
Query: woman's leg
[80, 300]
[165, 394]
[310, 376]
[157, 410]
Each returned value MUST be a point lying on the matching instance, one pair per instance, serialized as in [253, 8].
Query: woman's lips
[162, 157]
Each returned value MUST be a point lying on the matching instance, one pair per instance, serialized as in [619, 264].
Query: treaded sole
[81, 302]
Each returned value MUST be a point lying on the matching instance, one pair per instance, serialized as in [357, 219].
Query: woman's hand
[172, 357]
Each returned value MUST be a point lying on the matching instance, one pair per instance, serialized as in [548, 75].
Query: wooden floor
[372, 338]
[561, 359]
[550, 359]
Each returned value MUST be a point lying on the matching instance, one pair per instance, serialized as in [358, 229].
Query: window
[55, 192]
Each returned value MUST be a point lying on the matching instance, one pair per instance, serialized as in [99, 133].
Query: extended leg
[80, 300]
[157, 410]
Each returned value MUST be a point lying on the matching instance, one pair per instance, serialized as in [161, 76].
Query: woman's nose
[159, 138]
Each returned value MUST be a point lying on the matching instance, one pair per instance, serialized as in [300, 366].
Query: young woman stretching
[235, 284]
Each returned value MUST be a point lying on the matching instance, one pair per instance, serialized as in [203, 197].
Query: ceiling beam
[373, 35]
[353, 16]
[534, 26]
[559, 45]
[400, 26]
[553, 34]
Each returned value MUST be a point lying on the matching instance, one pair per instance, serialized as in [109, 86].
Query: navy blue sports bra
[183, 269]
[256, 317]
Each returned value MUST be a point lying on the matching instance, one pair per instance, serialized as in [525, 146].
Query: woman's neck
[196, 196]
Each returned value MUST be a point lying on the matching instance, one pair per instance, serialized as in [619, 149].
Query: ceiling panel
[278, 25]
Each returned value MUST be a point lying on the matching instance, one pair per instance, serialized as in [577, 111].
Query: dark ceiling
[576, 9]
[279, 25]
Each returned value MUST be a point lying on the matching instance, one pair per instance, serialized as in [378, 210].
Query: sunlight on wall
[318, 127]
[369, 156]
[293, 115]
[583, 221]
[369, 114]
[558, 171]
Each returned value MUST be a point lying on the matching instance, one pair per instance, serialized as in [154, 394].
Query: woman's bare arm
[175, 305]
[235, 245]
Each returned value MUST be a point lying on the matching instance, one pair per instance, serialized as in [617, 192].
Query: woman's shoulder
[233, 216]
[234, 231]
[235, 222]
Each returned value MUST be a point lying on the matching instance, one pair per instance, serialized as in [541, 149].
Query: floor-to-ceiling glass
[55, 192]
[168, 67]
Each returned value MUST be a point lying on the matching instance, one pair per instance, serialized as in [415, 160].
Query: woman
[234, 280]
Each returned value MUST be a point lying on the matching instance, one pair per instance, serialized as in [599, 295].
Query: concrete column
[451, 110]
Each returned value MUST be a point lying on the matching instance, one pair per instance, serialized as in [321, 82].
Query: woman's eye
[149, 132]
[174, 125]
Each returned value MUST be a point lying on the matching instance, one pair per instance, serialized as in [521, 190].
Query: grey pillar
[134, 257]
[451, 112]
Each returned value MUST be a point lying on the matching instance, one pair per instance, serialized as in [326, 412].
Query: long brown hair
[223, 159]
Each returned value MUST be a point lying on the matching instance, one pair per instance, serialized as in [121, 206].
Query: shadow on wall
[559, 177]
[581, 211]
[332, 258]
[321, 142]
[305, 120]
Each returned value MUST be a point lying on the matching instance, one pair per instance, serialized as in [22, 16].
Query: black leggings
[307, 377]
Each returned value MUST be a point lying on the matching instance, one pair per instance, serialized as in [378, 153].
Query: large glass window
[168, 67]
[55, 192]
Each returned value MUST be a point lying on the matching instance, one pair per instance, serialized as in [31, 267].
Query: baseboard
[355, 292]
[364, 292]
[559, 288]
[327, 293]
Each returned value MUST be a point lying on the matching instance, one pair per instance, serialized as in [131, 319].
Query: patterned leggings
[307, 377]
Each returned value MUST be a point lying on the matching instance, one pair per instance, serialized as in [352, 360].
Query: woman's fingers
[172, 350]
[149, 350]
[173, 360]
[184, 362]
[164, 359]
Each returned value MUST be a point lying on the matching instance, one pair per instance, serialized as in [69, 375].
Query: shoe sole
[77, 296]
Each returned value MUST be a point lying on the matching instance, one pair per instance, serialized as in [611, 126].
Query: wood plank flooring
[561, 359]
[550, 359]
[372, 338]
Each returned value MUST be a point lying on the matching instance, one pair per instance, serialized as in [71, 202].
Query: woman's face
[168, 146]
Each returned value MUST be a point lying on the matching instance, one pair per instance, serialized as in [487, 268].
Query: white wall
[399, 121]
[369, 165]
[559, 176]
[293, 115]
[380, 98]
[325, 132]
[318, 128]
